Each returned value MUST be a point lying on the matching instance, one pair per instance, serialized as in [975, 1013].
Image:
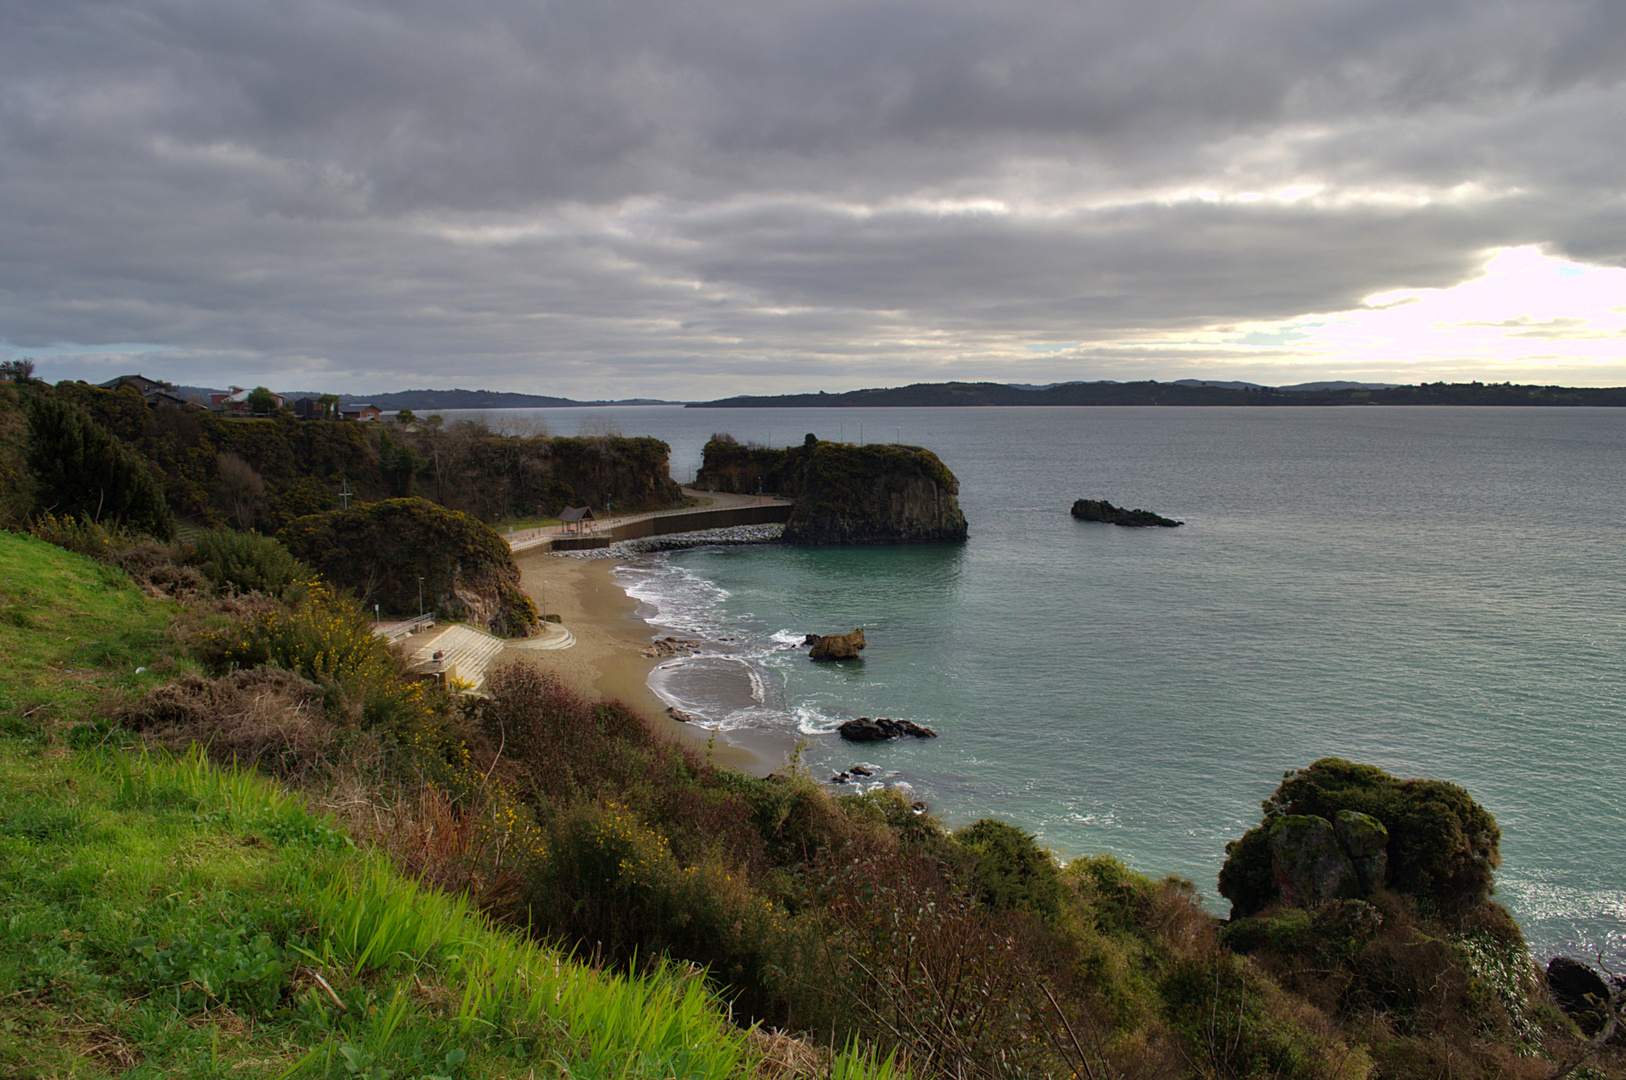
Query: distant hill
[419, 400]
[1187, 393]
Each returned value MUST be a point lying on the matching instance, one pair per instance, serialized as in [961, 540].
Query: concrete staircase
[466, 653]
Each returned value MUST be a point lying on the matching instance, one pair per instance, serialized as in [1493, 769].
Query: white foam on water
[682, 600]
[811, 721]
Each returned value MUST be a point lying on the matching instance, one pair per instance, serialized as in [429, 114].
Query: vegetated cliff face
[296, 467]
[380, 550]
[884, 493]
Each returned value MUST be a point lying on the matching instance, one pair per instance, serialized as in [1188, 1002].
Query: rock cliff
[883, 493]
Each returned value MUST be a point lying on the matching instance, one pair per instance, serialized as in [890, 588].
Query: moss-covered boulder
[1366, 842]
[382, 549]
[1307, 863]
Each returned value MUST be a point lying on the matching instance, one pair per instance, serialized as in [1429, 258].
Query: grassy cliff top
[165, 917]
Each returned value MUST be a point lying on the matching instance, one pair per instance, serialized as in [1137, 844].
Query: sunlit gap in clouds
[1528, 317]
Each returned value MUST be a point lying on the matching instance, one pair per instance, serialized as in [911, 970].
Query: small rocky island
[879, 493]
[1104, 512]
[835, 646]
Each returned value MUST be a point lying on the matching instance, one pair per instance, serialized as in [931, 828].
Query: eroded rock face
[1580, 992]
[866, 730]
[1308, 863]
[880, 493]
[837, 646]
[1366, 841]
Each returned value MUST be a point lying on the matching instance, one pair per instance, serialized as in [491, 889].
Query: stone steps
[467, 653]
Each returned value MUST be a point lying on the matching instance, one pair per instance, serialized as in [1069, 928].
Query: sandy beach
[607, 660]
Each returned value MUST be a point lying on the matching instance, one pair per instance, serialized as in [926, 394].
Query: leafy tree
[261, 401]
[81, 469]
[239, 488]
[20, 371]
[405, 416]
[330, 406]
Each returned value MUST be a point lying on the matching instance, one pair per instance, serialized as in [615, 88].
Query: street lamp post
[420, 596]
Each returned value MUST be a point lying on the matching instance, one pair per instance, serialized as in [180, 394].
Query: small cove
[1440, 592]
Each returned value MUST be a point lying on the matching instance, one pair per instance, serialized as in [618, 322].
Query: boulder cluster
[866, 730]
[666, 647]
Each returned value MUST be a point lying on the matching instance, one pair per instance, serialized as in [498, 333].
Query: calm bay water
[1440, 592]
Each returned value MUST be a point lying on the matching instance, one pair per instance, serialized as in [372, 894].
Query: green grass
[189, 921]
[72, 631]
[521, 524]
[164, 917]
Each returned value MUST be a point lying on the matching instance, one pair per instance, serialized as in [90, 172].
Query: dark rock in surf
[1104, 512]
[866, 730]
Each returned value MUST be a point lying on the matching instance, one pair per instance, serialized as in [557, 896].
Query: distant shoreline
[1187, 394]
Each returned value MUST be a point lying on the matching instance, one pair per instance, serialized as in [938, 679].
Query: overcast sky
[617, 198]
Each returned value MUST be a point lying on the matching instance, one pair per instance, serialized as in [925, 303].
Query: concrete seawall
[722, 517]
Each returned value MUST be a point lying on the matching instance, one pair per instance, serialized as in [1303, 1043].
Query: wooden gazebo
[575, 519]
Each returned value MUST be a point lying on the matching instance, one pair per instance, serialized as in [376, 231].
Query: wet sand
[607, 660]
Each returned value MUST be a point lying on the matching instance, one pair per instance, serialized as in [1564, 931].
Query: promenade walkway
[721, 504]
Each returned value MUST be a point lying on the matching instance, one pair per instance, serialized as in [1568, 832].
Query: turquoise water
[1440, 592]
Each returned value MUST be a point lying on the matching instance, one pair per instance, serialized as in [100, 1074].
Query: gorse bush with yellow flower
[328, 639]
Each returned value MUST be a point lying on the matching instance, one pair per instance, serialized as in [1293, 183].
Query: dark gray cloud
[629, 197]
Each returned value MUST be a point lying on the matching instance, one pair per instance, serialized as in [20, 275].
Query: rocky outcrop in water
[1104, 512]
[836, 646]
[667, 647]
[882, 493]
[1308, 864]
[866, 730]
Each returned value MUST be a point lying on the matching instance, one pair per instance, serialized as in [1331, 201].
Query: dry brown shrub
[787, 1057]
[267, 718]
[160, 570]
[433, 837]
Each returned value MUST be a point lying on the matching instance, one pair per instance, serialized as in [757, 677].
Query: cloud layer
[634, 198]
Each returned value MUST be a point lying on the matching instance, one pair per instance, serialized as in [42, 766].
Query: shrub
[1237, 1023]
[1443, 846]
[267, 718]
[81, 469]
[158, 568]
[328, 639]
[610, 878]
[1011, 870]
[247, 562]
